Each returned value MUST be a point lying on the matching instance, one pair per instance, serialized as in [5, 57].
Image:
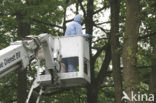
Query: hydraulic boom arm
[16, 55]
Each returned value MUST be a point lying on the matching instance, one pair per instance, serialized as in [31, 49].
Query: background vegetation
[123, 52]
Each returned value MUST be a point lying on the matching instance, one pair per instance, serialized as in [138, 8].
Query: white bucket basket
[70, 46]
[74, 46]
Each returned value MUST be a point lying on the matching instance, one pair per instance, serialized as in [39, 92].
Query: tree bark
[115, 46]
[91, 93]
[93, 90]
[89, 30]
[22, 30]
[152, 82]
[94, 87]
[130, 73]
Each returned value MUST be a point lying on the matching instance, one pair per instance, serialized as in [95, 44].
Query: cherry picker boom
[52, 50]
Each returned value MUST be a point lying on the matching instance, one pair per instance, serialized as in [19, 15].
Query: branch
[104, 38]
[48, 24]
[140, 67]
[104, 67]
[83, 9]
[99, 52]
[107, 86]
[69, 20]
[146, 36]
[97, 11]
[101, 29]
[108, 73]
[1, 14]
[102, 23]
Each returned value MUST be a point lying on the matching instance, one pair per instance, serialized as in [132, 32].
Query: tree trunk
[91, 91]
[152, 83]
[94, 87]
[89, 30]
[115, 46]
[130, 74]
[22, 30]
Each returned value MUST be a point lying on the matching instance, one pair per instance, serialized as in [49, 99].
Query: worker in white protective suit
[74, 28]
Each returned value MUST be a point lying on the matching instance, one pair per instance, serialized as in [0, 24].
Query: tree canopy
[122, 52]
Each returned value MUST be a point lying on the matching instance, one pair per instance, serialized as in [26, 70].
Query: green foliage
[71, 95]
[106, 94]
[42, 14]
[8, 88]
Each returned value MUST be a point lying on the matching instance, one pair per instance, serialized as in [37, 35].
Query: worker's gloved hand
[88, 36]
